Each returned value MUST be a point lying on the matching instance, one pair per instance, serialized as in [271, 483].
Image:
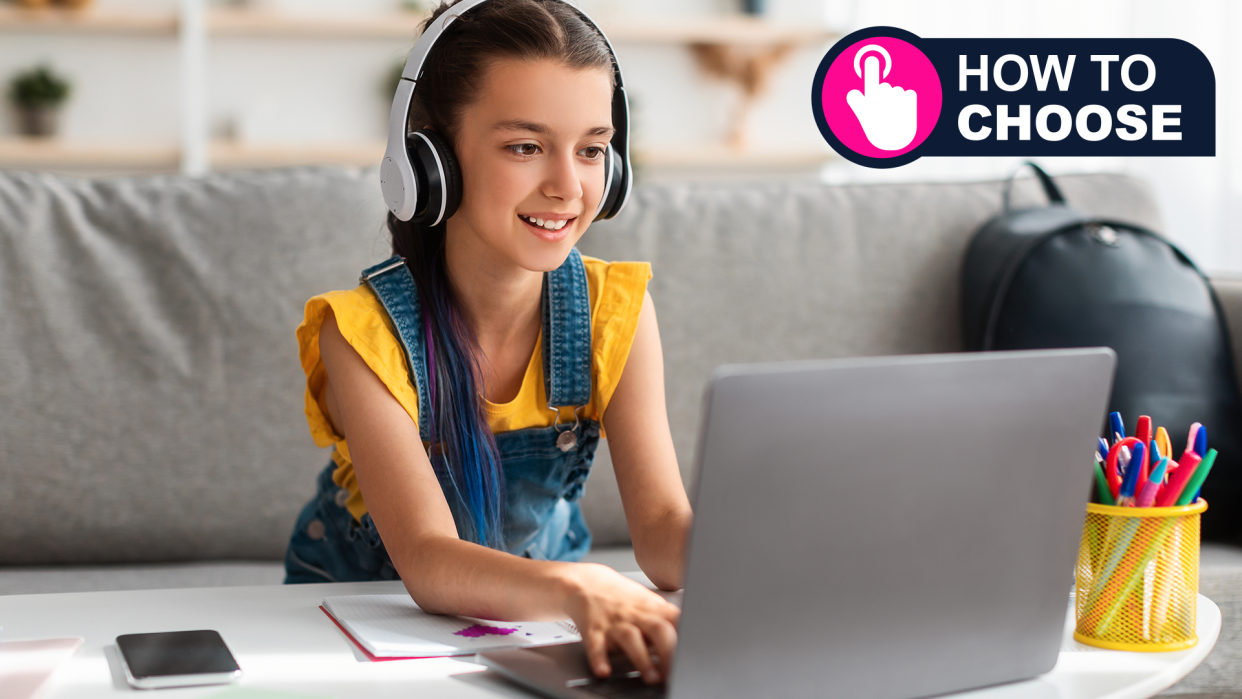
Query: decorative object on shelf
[750, 68]
[38, 94]
[754, 7]
[40, 4]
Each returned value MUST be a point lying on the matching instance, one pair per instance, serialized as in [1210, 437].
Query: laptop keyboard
[621, 687]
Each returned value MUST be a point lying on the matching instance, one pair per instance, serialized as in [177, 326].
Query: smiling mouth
[548, 224]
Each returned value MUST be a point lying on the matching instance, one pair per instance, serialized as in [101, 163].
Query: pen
[1191, 493]
[1110, 464]
[1142, 430]
[1117, 426]
[1126, 496]
[1166, 445]
[1191, 437]
[1201, 441]
[1102, 447]
[1148, 494]
[1177, 481]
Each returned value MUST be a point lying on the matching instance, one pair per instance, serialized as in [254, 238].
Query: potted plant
[38, 94]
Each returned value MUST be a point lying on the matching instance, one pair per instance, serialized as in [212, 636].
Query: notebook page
[393, 626]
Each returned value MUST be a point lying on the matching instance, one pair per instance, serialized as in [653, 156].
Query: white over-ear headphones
[420, 176]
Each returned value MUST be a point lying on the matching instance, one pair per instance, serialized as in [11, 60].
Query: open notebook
[392, 626]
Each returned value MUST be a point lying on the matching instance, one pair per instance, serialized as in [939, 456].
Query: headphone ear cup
[614, 185]
[437, 164]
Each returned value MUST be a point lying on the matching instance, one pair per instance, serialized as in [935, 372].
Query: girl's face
[531, 147]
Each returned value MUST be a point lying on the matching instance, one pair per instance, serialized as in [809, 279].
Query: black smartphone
[176, 659]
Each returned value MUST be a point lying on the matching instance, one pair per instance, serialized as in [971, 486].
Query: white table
[283, 642]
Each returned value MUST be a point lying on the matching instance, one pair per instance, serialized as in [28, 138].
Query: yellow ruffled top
[616, 290]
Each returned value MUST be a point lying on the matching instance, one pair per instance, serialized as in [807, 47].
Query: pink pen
[1194, 432]
[1148, 495]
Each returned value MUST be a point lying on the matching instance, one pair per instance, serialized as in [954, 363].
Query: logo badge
[877, 97]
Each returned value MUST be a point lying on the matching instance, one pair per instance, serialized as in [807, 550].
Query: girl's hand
[613, 612]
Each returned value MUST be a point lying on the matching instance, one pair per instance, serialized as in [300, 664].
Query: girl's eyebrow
[530, 126]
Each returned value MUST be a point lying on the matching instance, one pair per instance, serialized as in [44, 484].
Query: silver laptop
[892, 527]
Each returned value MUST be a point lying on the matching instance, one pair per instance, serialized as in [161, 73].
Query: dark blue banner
[884, 97]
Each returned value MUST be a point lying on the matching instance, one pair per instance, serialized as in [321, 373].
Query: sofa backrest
[151, 401]
[749, 273]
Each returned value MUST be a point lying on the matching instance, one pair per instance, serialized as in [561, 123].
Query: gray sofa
[151, 424]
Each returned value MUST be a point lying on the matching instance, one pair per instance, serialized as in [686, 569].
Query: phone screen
[177, 653]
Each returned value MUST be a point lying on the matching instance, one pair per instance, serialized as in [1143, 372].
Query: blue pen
[1126, 495]
[1102, 447]
[1118, 427]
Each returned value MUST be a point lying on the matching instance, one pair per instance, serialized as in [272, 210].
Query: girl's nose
[562, 180]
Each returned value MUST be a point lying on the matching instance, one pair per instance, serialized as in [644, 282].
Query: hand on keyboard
[615, 613]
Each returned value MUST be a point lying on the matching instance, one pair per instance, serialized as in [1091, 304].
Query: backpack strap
[394, 286]
[1050, 187]
[567, 334]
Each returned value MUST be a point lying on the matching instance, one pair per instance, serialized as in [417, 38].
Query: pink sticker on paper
[478, 630]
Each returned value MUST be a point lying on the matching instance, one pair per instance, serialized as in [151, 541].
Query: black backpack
[1049, 277]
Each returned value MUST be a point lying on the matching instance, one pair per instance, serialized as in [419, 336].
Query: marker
[1190, 438]
[1166, 445]
[1177, 481]
[1102, 447]
[1191, 493]
[1103, 494]
[1145, 467]
[1148, 494]
[1117, 426]
[1201, 441]
[1126, 498]
[1142, 430]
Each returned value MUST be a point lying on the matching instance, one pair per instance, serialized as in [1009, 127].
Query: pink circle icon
[881, 97]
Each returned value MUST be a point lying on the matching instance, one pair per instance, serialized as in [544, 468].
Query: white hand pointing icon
[889, 115]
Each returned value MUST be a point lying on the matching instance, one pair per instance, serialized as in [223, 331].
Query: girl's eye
[527, 149]
[591, 152]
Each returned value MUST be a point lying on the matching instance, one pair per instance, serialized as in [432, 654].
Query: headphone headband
[398, 177]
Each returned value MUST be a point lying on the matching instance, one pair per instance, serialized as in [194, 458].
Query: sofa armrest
[1229, 290]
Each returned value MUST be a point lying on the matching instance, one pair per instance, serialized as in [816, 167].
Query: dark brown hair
[464, 451]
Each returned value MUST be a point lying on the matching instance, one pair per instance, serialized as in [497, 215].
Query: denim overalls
[544, 468]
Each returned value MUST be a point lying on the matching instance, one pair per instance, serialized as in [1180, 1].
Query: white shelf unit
[195, 25]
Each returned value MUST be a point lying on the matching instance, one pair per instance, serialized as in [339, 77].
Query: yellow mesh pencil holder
[1137, 578]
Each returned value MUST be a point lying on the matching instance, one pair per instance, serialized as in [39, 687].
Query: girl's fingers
[662, 636]
[596, 645]
[629, 640]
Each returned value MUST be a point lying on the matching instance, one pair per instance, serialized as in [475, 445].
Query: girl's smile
[551, 227]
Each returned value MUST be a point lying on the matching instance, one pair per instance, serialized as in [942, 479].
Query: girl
[465, 397]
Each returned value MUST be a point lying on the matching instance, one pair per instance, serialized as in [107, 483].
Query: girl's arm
[656, 507]
[446, 575]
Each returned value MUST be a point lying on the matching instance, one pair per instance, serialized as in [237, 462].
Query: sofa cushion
[151, 394]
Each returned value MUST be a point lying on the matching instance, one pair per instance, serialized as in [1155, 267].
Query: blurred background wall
[198, 85]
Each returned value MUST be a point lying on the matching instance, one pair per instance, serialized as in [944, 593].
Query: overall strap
[567, 334]
[394, 285]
